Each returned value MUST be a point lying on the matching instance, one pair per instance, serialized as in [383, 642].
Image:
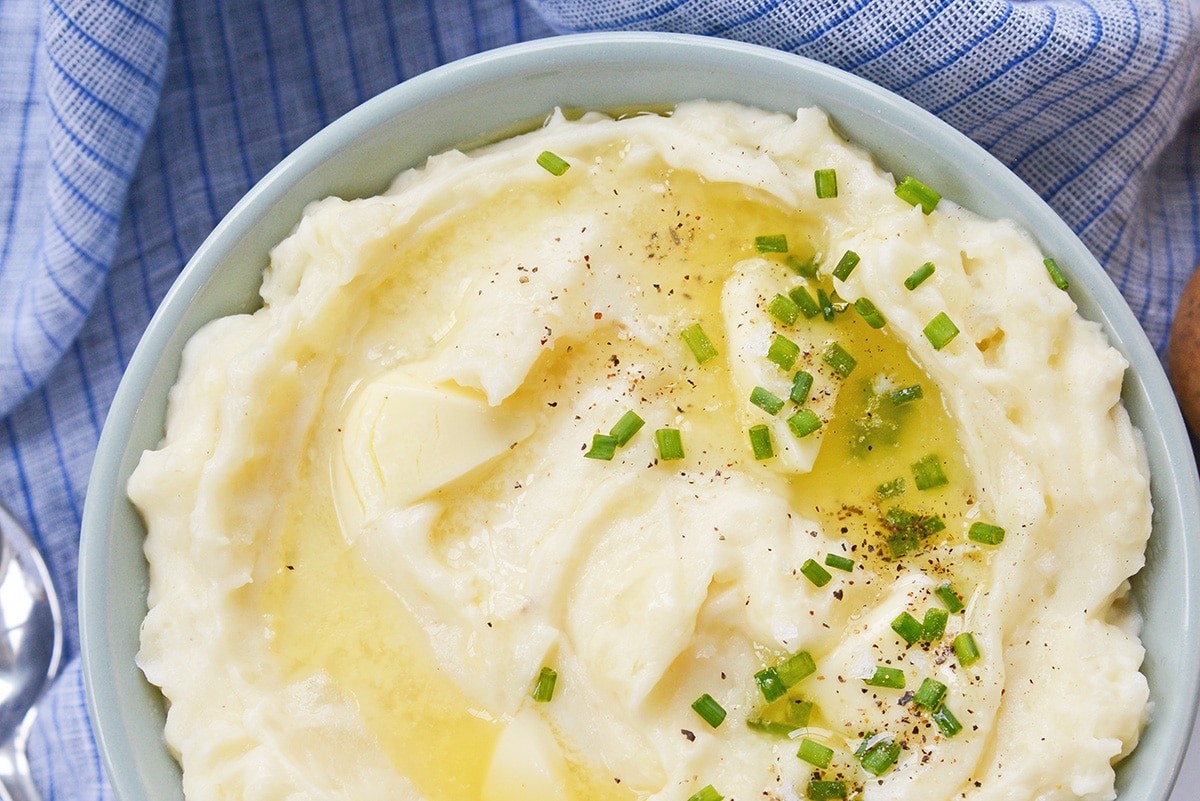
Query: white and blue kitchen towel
[129, 127]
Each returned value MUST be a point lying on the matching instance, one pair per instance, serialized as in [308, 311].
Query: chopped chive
[908, 394]
[931, 525]
[796, 668]
[670, 444]
[846, 265]
[814, 753]
[765, 400]
[839, 359]
[806, 268]
[908, 627]
[552, 162]
[949, 597]
[772, 243]
[802, 383]
[769, 684]
[879, 757]
[699, 343]
[783, 352]
[965, 649]
[1056, 274]
[626, 427]
[935, 623]
[804, 302]
[887, 677]
[825, 789]
[797, 712]
[804, 422]
[760, 442]
[929, 695]
[919, 275]
[604, 446]
[772, 727]
[891, 489]
[916, 193]
[815, 573]
[543, 688]
[839, 562]
[928, 473]
[784, 309]
[707, 793]
[946, 721]
[902, 543]
[985, 533]
[826, 305]
[870, 314]
[826, 183]
[707, 708]
[940, 331]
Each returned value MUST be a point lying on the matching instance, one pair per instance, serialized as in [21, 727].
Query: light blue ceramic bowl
[479, 98]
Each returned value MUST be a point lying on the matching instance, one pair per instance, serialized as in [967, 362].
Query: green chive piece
[839, 359]
[826, 304]
[707, 793]
[931, 525]
[796, 668]
[804, 422]
[707, 708]
[902, 543]
[870, 314]
[940, 331]
[769, 684]
[879, 757]
[935, 623]
[772, 727]
[825, 789]
[1056, 274]
[928, 472]
[950, 597]
[772, 243]
[908, 394]
[985, 533]
[760, 442]
[765, 400]
[839, 562]
[699, 343]
[918, 276]
[891, 489]
[802, 383]
[913, 192]
[806, 268]
[887, 677]
[626, 427]
[604, 446]
[908, 627]
[543, 688]
[946, 721]
[553, 163]
[965, 649]
[826, 183]
[815, 573]
[814, 753]
[846, 265]
[804, 302]
[783, 352]
[784, 309]
[670, 444]
[929, 695]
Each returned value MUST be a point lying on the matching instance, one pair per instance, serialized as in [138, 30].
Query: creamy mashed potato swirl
[376, 514]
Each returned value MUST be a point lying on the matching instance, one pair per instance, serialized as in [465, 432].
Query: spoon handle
[16, 783]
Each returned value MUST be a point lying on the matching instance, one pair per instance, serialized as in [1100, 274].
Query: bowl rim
[115, 454]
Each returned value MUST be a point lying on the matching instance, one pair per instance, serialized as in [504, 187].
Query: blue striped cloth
[129, 127]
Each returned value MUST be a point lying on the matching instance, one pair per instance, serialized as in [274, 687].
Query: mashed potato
[630, 404]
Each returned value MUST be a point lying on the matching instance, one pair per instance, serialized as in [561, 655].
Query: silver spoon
[31, 636]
